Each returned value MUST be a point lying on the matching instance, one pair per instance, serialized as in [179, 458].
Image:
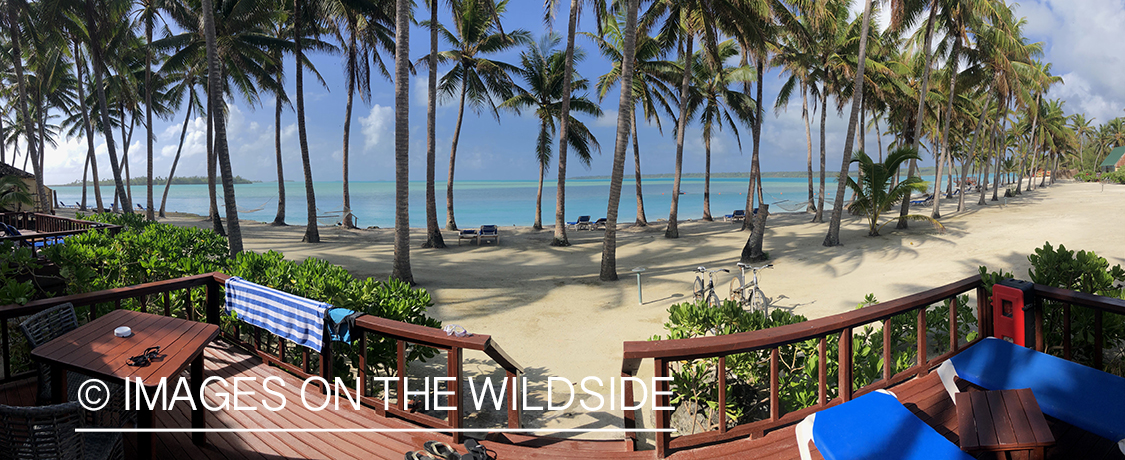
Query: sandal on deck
[412, 455]
[442, 450]
[476, 451]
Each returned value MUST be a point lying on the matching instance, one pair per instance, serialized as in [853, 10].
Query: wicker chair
[49, 324]
[48, 432]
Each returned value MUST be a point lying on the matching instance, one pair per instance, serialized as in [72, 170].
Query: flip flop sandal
[476, 451]
[441, 450]
[418, 456]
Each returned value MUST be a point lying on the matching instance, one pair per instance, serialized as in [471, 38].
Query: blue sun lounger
[737, 215]
[873, 426]
[582, 222]
[488, 231]
[1081, 396]
[924, 200]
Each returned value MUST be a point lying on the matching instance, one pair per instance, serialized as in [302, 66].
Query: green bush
[1116, 177]
[145, 251]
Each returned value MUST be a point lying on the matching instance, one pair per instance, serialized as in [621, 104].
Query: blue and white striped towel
[293, 318]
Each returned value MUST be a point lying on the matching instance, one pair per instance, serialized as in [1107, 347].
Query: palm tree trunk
[955, 57]
[920, 115]
[103, 106]
[755, 168]
[347, 134]
[1001, 151]
[987, 160]
[538, 225]
[564, 127]
[127, 135]
[213, 213]
[641, 220]
[450, 221]
[85, 175]
[673, 230]
[17, 62]
[312, 234]
[624, 117]
[808, 139]
[401, 263]
[176, 160]
[215, 94]
[279, 218]
[1032, 150]
[433, 232]
[833, 236]
[80, 67]
[148, 114]
[707, 179]
[819, 216]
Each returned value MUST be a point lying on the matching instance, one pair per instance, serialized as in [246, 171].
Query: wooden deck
[925, 396]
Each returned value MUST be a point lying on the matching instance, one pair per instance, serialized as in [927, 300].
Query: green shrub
[145, 251]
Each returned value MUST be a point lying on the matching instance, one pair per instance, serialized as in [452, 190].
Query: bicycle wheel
[736, 292]
[713, 300]
[758, 301]
[697, 289]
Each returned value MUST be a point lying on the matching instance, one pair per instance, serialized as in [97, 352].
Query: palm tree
[401, 263]
[833, 236]
[14, 193]
[476, 79]
[234, 232]
[900, 10]
[797, 57]
[281, 30]
[433, 231]
[624, 116]
[652, 80]
[13, 18]
[148, 11]
[714, 100]
[1082, 129]
[186, 86]
[874, 192]
[541, 67]
[361, 28]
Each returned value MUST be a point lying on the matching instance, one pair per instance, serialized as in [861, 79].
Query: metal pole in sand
[638, 271]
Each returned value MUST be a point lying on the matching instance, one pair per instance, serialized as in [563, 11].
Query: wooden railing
[48, 229]
[667, 351]
[156, 298]
[664, 352]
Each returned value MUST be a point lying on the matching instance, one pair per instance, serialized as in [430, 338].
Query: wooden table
[93, 350]
[1002, 421]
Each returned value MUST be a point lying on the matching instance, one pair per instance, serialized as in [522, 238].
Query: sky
[1079, 38]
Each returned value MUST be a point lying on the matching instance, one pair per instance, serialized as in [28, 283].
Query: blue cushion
[1081, 396]
[877, 426]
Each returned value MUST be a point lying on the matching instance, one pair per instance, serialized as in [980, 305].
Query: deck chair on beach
[468, 234]
[598, 223]
[873, 426]
[582, 222]
[923, 200]
[735, 216]
[488, 231]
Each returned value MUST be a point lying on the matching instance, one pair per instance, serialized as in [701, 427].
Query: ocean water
[504, 203]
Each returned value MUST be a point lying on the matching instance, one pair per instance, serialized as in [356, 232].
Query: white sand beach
[546, 307]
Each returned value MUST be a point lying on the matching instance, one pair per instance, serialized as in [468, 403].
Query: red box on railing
[1013, 312]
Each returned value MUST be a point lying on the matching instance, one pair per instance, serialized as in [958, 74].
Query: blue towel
[1081, 396]
[290, 317]
[876, 426]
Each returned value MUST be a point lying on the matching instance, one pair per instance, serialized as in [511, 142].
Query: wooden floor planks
[924, 396]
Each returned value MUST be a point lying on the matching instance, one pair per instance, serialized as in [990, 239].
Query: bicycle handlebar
[707, 270]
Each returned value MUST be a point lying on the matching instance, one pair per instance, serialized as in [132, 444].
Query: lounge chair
[1081, 396]
[873, 426]
[735, 216]
[598, 223]
[35, 432]
[488, 231]
[468, 234]
[582, 222]
[923, 200]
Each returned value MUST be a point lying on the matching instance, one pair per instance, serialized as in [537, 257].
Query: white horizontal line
[372, 430]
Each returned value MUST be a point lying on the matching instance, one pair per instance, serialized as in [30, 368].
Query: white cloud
[378, 127]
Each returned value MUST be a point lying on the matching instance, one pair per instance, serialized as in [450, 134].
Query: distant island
[745, 175]
[189, 180]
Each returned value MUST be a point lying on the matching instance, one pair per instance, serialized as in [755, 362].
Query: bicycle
[749, 293]
[707, 293]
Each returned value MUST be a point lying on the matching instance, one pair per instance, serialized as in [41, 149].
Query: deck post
[721, 372]
[953, 304]
[630, 417]
[400, 368]
[984, 322]
[662, 417]
[213, 301]
[1066, 331]
[887, 362]
[1099, 342]
[326, 358]
[514, 412]
[923, 369]
[454, 386]
[775, 401]
[845, 362]
[822, 372]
